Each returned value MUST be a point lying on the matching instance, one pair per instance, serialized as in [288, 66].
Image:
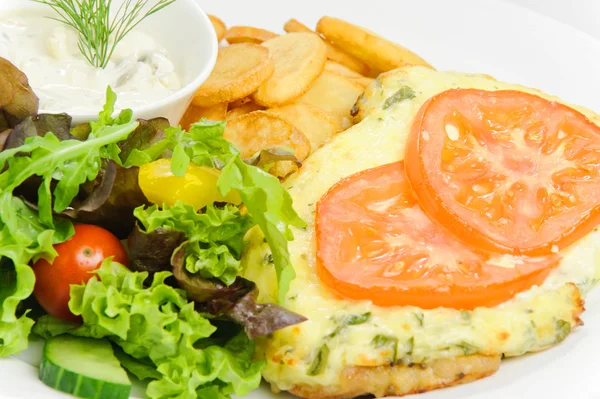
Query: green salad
[174, 309]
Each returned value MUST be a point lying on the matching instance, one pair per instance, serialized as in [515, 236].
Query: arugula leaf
[27, 235]
[215, 238]
[155, 322]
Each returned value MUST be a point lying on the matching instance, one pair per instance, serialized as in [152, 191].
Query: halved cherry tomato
[506, 171]
[374, 242]
[77, 258]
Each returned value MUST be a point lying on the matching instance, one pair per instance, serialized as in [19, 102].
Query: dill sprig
[98, 32]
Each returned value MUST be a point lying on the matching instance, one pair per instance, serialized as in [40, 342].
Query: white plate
[511, 44]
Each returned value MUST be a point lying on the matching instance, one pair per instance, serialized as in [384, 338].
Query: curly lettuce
[155, 325]
[214, 239]
[26, 234]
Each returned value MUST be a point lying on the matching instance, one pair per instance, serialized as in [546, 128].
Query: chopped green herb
[382, 341]
[563, 328]
[410, 346]
[404, 93]
[420, 316]
[319, 362]
[465, 315]
[467, 348]
[351, 320]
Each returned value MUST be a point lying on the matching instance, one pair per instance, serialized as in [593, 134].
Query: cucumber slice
[83, 367]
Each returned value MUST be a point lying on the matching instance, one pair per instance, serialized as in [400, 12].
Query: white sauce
[46, 50]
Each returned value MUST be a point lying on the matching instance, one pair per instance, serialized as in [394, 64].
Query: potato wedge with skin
[299, 59]
[333, 53]
[377, 52]
[317, 125]
[243, 109]
[248, 34]
[239, 71]
[219, 25]
[194, 113]
[259, 130]
[335, 94]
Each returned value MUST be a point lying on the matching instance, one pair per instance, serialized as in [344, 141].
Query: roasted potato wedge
[317, 125]
[333, 53]
[239, 71]
[299, 59]
[377, 52]
[194, 113]
[248, 34]
[335, 94]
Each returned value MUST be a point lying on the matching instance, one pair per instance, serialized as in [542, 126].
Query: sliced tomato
[506, 171]
[375, 242]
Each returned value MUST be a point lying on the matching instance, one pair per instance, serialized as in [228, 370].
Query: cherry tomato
[506, 171]
[374, 242]
[77, 258]
[198, 187]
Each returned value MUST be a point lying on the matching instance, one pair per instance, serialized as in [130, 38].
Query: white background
[583, 14]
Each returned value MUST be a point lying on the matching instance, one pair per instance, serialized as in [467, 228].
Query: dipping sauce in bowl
[139, 71]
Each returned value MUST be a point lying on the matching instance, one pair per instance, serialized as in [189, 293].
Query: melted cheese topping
[342, 333]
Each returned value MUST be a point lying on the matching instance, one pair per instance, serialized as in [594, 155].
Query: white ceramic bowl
[185, 31]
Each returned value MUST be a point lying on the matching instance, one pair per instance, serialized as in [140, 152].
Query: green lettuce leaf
[143, 369]
[13, 335]
[26, 234]
[271, 207]
[265, 198]
[204, 145]
[157, 323]
[214, 238]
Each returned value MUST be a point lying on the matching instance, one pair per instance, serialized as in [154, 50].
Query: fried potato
[243, 109]
[317, 125]
[293, 25]
[333, 53]
[377, 52]
[339, 69]
[259, 130]
[363, 81]
[194, 113]
[299, 59]
[335, 94]
[219, 26]
[239, 71]
[240, 102]
[247, 34]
